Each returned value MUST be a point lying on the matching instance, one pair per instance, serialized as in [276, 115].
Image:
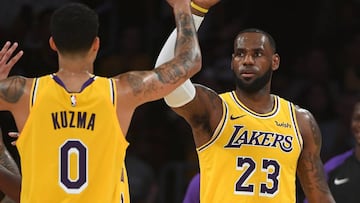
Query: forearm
[167, 51]
[10, 183]
[310, 168]
[187, 90]
[313, 182]
[10, 179]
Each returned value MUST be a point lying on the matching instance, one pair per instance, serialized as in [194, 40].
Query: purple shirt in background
[335, 162]
[192, 194]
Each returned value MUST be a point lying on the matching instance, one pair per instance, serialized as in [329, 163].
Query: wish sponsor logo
[283, 124]
[340, 181]
[233, 117]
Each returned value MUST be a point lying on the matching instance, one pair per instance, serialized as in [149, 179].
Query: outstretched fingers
[6, 61]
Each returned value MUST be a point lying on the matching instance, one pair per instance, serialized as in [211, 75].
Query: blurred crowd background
[318, 42]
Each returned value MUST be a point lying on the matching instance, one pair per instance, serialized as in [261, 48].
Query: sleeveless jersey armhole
[295, 124]
[112, 92]
[33, 94]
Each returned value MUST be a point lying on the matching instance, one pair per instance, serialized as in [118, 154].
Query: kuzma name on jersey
[72, 119]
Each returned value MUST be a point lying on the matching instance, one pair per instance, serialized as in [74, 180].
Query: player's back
[71, 147]
[251, 157]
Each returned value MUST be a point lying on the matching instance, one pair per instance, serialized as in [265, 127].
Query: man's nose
[248, 59]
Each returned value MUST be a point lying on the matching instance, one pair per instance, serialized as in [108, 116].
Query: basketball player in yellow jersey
[251, 144]
[73, 124]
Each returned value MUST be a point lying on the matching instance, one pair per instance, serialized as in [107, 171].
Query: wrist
[198, 10]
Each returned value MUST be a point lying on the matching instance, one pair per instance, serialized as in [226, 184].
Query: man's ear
[52, 44]
[276, 61]
[96, 44]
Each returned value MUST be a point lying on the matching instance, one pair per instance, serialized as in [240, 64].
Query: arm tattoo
[313, 164]
[186, 39]
[12, 88]
[316, 132]
[170, 75]
[184, 50]
[315, 167]
[136, 83]
[186, 53]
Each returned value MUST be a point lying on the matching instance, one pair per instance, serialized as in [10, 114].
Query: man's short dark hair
[74, 27]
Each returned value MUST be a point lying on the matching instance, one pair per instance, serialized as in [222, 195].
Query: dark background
[318, 42]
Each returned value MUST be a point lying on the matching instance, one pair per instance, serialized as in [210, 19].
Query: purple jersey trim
[336, 161]
[60, 82]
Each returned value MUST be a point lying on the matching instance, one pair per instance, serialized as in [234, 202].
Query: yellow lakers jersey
[251, 157]
[72, 149]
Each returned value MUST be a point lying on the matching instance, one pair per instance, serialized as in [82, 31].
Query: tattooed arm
[12, 88]
[310, 167]
[14, 97]
[139, 87]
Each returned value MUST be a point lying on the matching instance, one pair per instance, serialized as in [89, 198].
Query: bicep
[310, 167]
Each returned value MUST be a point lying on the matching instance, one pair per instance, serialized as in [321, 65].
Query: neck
[261, 102]
[75, 65]
[74, 72]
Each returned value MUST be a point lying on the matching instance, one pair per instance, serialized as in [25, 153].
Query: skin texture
[253, 62]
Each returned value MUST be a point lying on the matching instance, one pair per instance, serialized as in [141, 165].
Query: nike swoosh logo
[340, 181]
[232, 117]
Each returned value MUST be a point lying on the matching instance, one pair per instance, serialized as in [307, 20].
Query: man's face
[253, 61]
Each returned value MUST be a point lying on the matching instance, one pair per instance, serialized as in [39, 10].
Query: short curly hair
[74, 27]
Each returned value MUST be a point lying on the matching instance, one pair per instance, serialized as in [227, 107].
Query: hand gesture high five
[6, 61]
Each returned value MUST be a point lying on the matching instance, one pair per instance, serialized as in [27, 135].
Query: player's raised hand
[6, 59]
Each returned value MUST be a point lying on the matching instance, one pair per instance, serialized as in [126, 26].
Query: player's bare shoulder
[208, 94]
[308, 126]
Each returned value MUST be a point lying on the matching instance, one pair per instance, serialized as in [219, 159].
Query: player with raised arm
[251, 144]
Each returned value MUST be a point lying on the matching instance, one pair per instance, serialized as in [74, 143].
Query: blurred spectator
[342, 170]
[318, 98]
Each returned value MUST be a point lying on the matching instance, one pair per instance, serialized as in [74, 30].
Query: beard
[256, 85]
